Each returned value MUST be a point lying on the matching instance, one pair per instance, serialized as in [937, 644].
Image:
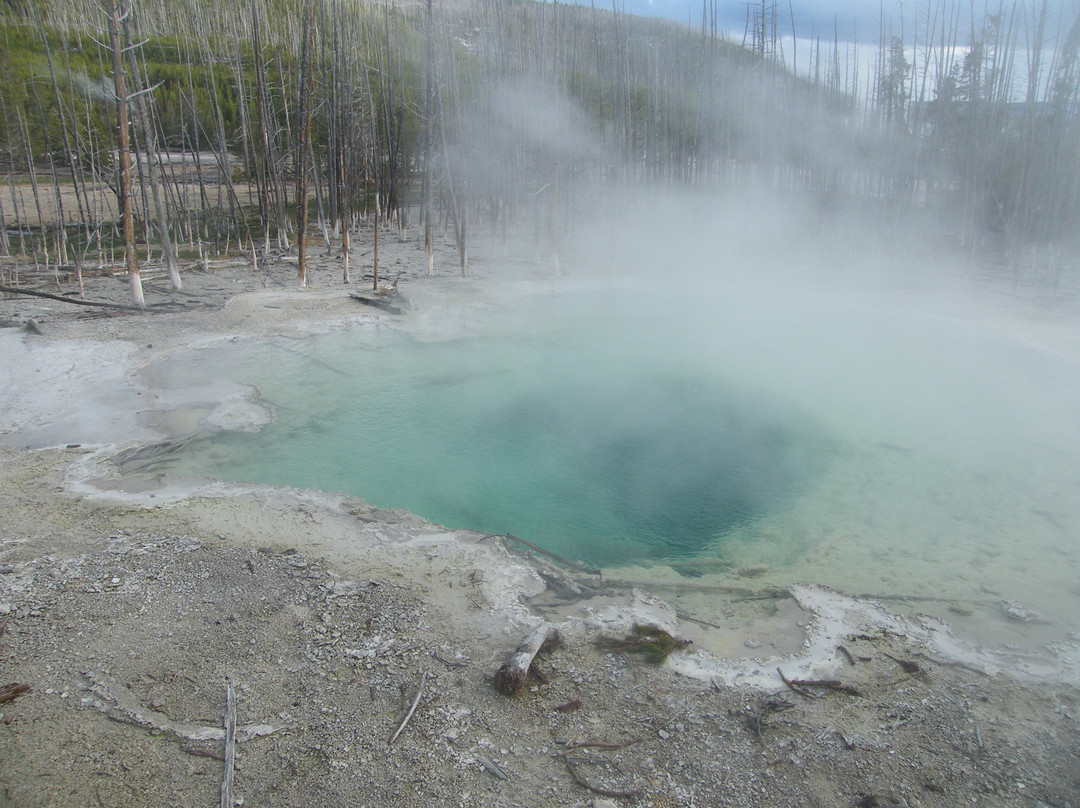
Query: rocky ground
[335, 622]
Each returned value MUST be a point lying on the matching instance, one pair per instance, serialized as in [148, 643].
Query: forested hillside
[248, 116]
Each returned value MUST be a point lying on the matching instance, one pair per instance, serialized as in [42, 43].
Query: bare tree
[429, 137]
[155, 177]
[304, 140]
[117, 14]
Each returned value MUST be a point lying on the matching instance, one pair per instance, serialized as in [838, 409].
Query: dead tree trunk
[116, 16]
[69, 154]
[510, 678]
[429, 125]
[155, 171]
[375, 252]
[303, 146]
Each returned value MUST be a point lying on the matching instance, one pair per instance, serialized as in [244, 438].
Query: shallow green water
[589, 441]
[872, 449]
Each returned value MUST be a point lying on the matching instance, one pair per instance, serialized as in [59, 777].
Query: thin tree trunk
[68, 151]
[319, 197]
[24, 131]
[272, 203]
[345, 249]
[303, 146]
[19, 228]
[456, 201]
[154, 168]
[429, 112]
[131, 261]
[5, 246]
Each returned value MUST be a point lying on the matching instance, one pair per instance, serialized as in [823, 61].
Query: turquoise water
[876, 449]
[572, 432]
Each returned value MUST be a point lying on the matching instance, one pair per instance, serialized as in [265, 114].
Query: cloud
[851, 19]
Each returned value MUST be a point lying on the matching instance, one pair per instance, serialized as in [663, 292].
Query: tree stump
[510, 678]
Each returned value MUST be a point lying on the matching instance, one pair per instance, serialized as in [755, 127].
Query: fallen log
[603, 792]
[570, 564]
[652, 642]
[510, 678]
[806, 694]
[16, 290]
[377, 302]
[117, 702]
[13, 691]
[31, 327]
[745, 593]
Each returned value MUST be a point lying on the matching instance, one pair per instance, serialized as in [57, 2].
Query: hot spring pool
[877, 451]
[597, 458]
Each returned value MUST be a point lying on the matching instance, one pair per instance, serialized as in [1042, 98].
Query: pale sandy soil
[128, 613]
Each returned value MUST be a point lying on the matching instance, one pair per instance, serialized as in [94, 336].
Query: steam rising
[790, 335]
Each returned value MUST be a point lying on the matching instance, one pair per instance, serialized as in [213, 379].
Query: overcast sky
[852, 17]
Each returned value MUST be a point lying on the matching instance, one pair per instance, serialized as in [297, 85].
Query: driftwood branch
[494, 768]
[230, 747]
[377, 302]
[18, 290]
[13, 691]
[765, 593]
[571, 564]
[144, 91]
[603, 792]
[906, 665]
[828, 684]
[510, 678]
[690, 618]
[806, 694]
[624, 744]
[560, 583]
[772, 704]
[118, 703]
[412, 709]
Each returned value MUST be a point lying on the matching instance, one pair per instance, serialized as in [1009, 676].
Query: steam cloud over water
[724, 321]
[711, 387]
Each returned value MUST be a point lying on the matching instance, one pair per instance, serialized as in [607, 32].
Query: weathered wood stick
[816, 682]
[927, 599]
[770, 592]
[684, 616]
[378, 303]
[829, 684]
[230, 747]
[906, 665]
[31, 326]
[537, 548]
[806, 694]
[510, 678]
[493, 767]
[13, 691]
[409, 715]
[15, 290]
[118, 703]
[603, 792]
[746, 592]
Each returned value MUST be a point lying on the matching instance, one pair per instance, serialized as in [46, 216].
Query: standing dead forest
[145, 134]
